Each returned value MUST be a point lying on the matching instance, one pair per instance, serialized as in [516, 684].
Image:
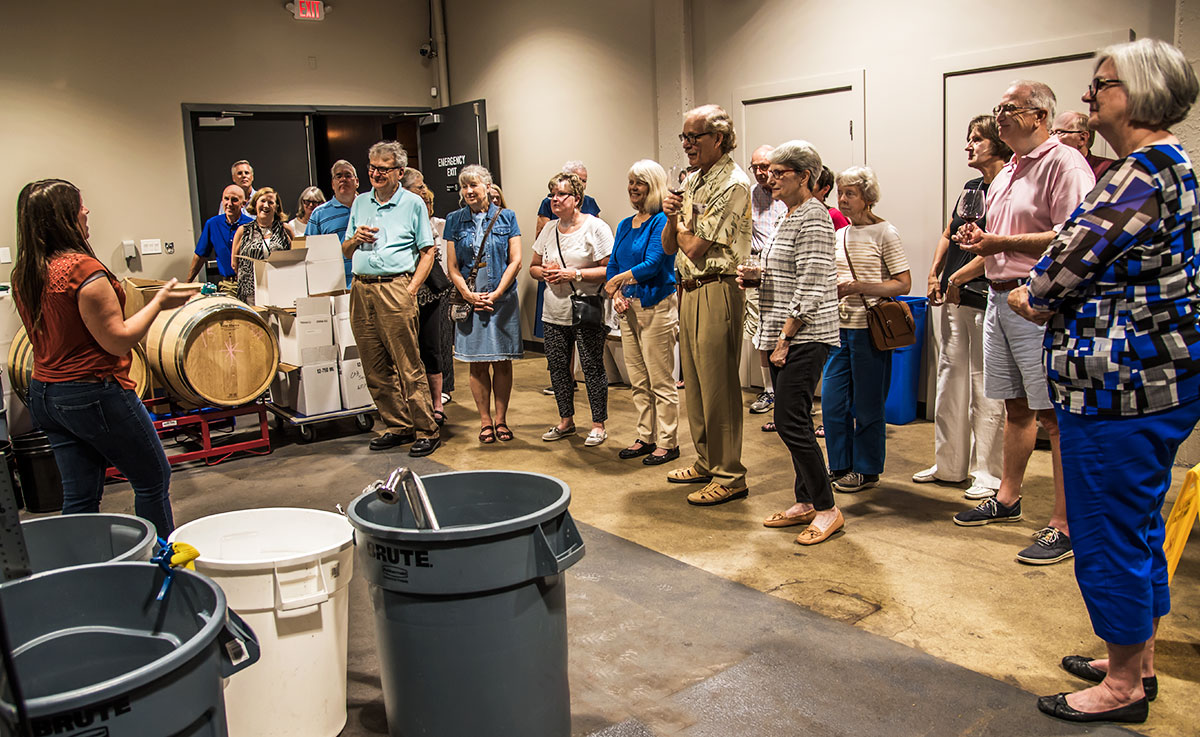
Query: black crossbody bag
[587, 310]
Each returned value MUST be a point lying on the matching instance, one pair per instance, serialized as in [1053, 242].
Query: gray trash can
[77, 539]
[96, 654]
[471, 618]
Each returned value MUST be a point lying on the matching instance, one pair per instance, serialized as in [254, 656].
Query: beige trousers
[648, 338]
[710, 343]
[383, 318]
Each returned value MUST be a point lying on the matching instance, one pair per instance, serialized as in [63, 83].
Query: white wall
[92, 92]
[574, 80]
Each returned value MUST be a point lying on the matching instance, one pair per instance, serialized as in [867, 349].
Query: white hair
[1158, 79]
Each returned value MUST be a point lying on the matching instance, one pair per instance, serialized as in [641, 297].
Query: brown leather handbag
[889, 320]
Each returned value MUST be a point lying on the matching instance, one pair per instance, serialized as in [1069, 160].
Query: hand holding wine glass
[972, 205]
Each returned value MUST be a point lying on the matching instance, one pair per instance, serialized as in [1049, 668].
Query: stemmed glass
[676, 176]
[972, 204]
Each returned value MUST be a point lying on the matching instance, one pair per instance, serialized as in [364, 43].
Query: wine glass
[972, 204]
[676, 176]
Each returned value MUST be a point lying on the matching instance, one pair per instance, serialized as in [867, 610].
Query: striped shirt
[878, 257]
[765, 214]
[1123, 279]
[800, 279]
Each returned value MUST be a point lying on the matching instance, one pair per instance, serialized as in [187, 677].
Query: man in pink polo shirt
[1032, 195]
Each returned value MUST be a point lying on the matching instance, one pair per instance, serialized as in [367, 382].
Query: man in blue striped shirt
[332, 217]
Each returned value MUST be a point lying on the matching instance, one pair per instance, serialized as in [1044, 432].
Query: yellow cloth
[1179, 524]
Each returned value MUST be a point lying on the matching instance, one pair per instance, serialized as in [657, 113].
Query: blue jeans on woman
[92, 425]
[852, 398]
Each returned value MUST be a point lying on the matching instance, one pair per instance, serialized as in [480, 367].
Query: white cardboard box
[325, 267]
[341, 304]
[313, 388]
[343, 336]
[310, 327]
[353, 381]
[281, 278]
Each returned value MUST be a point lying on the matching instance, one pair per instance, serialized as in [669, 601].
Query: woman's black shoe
[639, 449]
[1057, 707]
[1081, 666]
[653, 460]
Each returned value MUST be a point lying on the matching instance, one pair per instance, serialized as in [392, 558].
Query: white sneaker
[926, 476]
[596, 437]
[975, 491]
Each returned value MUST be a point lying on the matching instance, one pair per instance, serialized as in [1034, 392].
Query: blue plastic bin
[901, 405]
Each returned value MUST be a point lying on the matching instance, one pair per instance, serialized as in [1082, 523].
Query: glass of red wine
[972, 204]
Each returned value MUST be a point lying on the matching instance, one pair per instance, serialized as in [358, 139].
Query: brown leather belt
[372, 279]
[1004, 286]
[694, 284]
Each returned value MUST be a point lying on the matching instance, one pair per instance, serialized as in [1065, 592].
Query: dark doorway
[348, 136]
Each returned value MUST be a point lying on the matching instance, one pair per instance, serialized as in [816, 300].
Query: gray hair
[1159, 81]
[410, 177]
[238, 163]
[309, 193]
[716, 120]
[1040, 96]
[574, 166]
[801, 156]
[474, 173]
[389, 150]
[864, 178]
[651, 174]
[342, 164]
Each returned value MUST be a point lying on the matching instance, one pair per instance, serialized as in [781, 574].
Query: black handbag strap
[562, 261]
[479, 253]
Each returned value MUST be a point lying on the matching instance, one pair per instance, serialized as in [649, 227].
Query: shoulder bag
[587, 310]
[889, 320]
[460, 309]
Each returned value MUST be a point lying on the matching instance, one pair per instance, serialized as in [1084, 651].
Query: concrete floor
[947, 598]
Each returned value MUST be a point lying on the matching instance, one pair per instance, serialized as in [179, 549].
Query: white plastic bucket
[285, 571]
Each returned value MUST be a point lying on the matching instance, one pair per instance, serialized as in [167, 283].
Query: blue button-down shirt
[330, 219]
[404, 231]
[216, 241]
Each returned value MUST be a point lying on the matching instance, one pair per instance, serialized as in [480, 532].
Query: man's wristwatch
[578, 275]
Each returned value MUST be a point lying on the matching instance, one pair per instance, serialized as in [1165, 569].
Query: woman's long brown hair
[47, 225]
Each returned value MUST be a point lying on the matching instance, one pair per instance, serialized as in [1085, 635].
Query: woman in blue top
[490, 338]
[1118, 292]
[641, 281]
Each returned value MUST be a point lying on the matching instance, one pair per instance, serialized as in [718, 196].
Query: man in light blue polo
[331, 217]
[391, 244]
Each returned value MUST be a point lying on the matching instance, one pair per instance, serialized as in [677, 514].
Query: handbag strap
[846, 250]
[479, 253]
[562, 261]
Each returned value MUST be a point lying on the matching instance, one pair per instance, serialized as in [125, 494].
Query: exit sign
[309, 10]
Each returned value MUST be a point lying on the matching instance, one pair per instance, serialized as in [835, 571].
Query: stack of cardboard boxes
[321, 370]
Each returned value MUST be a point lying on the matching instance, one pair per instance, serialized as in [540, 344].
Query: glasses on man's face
[759, 167]
[691, 138]
[561, 195]
[382, 169]
[1009, 110]
[1099, 83]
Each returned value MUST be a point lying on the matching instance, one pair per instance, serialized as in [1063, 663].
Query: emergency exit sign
[309, 10]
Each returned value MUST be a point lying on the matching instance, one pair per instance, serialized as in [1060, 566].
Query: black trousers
[795, 384]
[559, 342]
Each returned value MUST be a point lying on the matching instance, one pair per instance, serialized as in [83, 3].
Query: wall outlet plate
[5, 255]
[151, 245]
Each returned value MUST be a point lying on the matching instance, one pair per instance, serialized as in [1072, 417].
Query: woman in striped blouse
[798, 324]
[1119, 290]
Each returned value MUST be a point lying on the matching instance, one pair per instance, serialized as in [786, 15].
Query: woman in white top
[857, 374]
[571, 258]
[310, 199]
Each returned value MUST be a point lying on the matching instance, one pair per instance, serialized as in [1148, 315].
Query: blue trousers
[852, 396]
[92, 425]
[1117, 473]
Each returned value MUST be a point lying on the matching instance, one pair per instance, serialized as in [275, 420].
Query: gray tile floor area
[659, 648]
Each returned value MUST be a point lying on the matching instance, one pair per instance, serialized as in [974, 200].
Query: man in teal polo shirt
[391, 244]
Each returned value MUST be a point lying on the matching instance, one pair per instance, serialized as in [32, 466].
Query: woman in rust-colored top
[80, 394]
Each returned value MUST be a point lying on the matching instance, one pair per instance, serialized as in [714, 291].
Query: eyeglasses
[778, 173]
[759, 167]
[561, 195]
[1099, 83]
[382, 169]
[1064, 132]
[1010, 110]
[314, 203]
[691, 138]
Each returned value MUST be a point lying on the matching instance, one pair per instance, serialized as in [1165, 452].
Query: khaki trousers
[648, 338]
[383, 318]
[710, 343]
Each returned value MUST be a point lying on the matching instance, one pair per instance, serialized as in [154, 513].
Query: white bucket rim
[268, 562]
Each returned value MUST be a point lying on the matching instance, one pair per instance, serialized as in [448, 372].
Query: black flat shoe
[1057, 707]
[653, 460]
[390, 440]
[1081, 666]
[640, 450]
[424, 447]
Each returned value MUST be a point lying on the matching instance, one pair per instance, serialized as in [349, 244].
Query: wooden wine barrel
[213, 351]
[20, 367]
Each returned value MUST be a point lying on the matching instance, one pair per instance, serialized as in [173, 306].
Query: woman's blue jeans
[92, 425]
[853, 393]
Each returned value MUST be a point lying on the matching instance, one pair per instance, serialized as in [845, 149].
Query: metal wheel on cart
[307, 433]
[364, 422]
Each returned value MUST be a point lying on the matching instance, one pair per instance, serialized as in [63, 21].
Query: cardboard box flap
[322, 247]
[294, 255]
[349, 352]
[313, 307]
[318, 354]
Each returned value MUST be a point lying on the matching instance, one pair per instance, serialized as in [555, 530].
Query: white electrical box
[152, 245]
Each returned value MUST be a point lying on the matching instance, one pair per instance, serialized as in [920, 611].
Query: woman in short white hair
[870, 264]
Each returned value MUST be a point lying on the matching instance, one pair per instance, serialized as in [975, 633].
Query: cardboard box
[309, 325]
[311, 389]
[324, 266]
[280, 278]
[139, 291]
[353, 381]
[341, 304]
[343, 336]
